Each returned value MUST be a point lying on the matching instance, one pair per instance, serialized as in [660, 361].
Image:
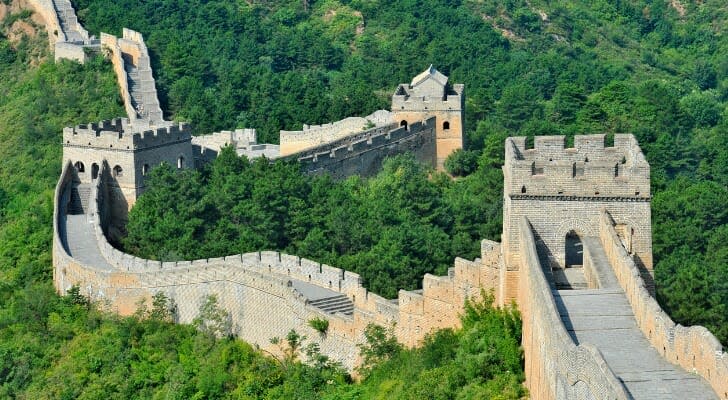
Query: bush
[320, 324]
[461, 162]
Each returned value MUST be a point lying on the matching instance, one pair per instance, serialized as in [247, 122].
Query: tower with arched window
[430, 95]
[130, 151]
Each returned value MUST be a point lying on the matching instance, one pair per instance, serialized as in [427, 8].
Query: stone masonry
[576, 253]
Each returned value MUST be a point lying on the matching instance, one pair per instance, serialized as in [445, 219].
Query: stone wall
[693, 348]
[555, 367]
[45, 9]
[316, 135]
[245, 141]
[254, 287]
[131, 48]
[364, 153]
[111, 46]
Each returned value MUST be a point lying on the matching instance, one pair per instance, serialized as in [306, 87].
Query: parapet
[245, 142]
[121, 134]
[315, 135]
[387, 140]
[589, 169]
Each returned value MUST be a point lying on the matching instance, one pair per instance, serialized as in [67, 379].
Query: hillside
[654, 69]
[55, 347]
[530, 68]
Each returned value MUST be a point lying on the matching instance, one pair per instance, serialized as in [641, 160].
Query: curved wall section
[259, 290]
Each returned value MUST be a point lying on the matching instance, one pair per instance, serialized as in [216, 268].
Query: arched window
[403, 123]
[145, 169]
[180, 162]
[523, 189]
[446, 125]
[79, 166]
[94, 171]
[118, 172]
[616, 170]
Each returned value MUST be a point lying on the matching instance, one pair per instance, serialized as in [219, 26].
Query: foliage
[212, 319]
[380, 345]
[483, 359]
[391, 229]
[462, 162]
[530, 68]
[655, 69]
[320, 324]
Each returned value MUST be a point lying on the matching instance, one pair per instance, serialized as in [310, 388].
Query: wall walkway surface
[266, 293]
[556, 368]
[609, 341]
[693, 348]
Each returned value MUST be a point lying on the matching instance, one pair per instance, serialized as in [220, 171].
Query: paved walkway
[604, 318]
[81, 242]
[82, 246]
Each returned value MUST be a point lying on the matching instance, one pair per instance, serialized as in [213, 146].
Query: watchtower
[130, 153]
[430, 95]
[562, 192]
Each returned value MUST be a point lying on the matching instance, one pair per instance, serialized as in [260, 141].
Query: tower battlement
[589, 169]
[406, 98]
[120, 134]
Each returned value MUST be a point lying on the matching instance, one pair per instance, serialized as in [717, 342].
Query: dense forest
[654, 68]
[55, 347]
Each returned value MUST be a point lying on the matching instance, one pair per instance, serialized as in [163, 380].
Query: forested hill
[657, 69]
[654, 68]
[54, 347]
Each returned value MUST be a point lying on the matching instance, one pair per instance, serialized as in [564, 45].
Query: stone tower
[430, 95]
[129, 152]
[562, 192]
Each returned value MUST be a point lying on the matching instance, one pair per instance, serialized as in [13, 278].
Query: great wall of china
[575, 256]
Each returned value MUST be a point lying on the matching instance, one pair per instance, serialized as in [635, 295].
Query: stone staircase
[68, 20]
[80, 195]
[334, 304]
[135, 87]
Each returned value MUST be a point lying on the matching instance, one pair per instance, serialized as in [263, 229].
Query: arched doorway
[574, 250]
[79, 167]
[94, 171]
[404, 124]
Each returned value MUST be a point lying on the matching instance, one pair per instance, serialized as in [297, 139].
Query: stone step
[335, 304]
[80, 196]
[569, 278]
[75, 206]
[330, 301]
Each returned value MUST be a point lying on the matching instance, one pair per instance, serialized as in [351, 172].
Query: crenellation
[550, 193]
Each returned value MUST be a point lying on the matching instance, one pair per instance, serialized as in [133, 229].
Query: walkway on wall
[82, 245]
[68, 20]
[327, 300]
[604, 318]
[80, 235]
[132, 77]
